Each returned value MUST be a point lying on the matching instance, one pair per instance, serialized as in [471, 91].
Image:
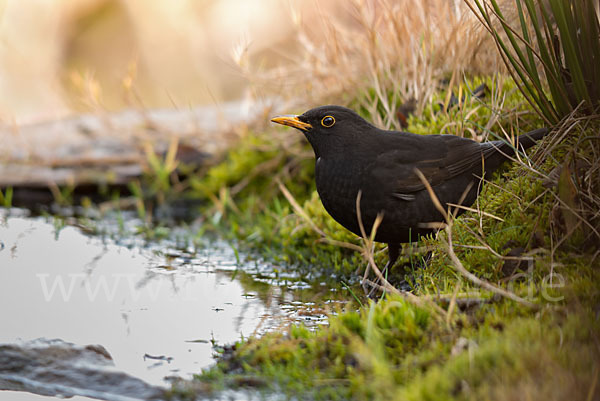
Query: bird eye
[328, 121]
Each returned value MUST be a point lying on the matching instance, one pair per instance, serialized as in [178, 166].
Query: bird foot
[377, 283]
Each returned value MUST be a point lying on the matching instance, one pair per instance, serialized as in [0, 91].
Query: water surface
[157, 308]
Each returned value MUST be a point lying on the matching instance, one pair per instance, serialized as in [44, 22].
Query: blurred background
[203, 71]
[58, 57]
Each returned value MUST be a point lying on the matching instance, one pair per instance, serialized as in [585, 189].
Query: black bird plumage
[354, 156]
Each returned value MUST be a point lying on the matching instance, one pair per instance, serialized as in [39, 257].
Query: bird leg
[393, 254]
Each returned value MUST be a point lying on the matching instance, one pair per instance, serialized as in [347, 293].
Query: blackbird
[354, 156]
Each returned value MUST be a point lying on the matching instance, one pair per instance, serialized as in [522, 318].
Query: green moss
[394, 350]
[356, 349]
[250, 152]
[544, 358]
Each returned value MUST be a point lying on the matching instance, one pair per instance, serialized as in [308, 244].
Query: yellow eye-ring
[328, 121]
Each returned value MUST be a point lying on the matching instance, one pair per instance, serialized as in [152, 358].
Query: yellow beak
[292, 121]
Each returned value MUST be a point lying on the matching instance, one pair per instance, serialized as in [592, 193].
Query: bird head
[329, 128]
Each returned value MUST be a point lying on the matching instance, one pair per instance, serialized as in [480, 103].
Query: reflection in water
[157, 309]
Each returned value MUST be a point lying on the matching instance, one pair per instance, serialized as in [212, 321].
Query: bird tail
[525, 141]
[529, 139]
[497, 152]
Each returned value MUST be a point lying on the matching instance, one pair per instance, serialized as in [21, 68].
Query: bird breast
[338, 184]
[337, 181]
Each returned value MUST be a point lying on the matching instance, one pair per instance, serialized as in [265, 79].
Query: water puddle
[157, 309]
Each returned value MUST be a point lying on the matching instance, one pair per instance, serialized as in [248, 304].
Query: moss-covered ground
[457, 340]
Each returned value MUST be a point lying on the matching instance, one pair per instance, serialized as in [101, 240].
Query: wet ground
[157, 308]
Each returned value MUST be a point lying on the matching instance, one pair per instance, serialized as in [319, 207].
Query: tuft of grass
[162, 170]
[6, 197]
[554, 47]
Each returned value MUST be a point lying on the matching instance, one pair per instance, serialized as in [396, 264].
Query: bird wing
[438, 157]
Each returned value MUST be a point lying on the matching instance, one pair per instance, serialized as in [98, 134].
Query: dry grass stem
[479, 282]
[478, 211]
[456, 261]
[452, 304]
[432, 194]
[300, 212]
[367, 252]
